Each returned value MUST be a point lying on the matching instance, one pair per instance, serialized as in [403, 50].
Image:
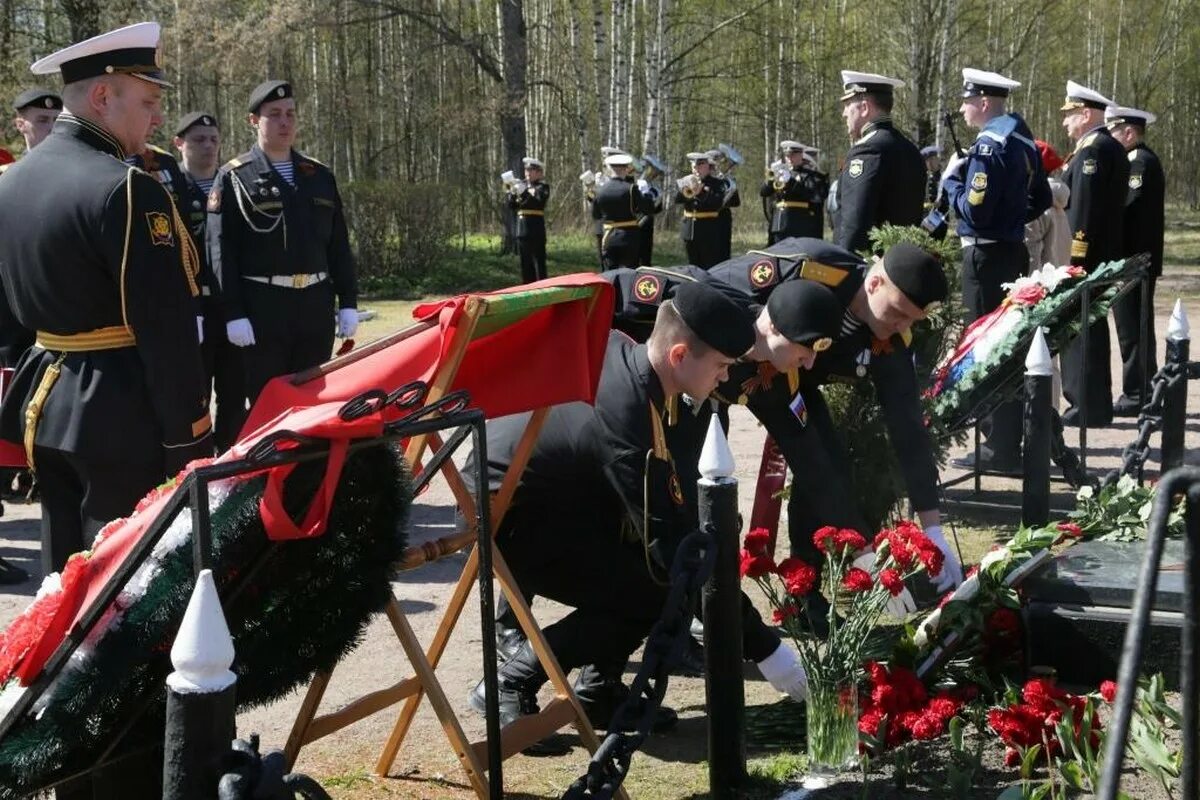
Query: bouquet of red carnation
[898, 709]
[1049, 719]
[854, 575]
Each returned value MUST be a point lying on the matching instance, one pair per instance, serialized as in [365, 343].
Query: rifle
[948, 121]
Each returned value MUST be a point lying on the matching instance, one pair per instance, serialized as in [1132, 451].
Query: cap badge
[762, 273]
[647, 289]
[49, 102]
[822, 344]
[279, 92]
[856, 167]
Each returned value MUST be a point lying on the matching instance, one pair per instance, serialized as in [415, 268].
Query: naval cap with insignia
[189, 121]
[917, 273]
[713, 155]
[698, 156]
[716, 319]
[981, 83]
[790, 146]
[1080, 96]
[856, 83]
[37, 98]
[530, 161]
[132, 50]
[618, 160]
[267, 91]
[806, 312]
[1124, 115]
[930, 150]
[609, 150]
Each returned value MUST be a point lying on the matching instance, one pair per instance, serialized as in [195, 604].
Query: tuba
[689, 185]
[652, 168]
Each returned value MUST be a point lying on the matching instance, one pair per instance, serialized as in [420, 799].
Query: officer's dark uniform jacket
[646, 229]
[15, 338]
[106, 277]
[530, 206]
[733, 199]
[1144, 207]
[799, 204]
[882, 181]
[609, 464]
[617, 206]
[286, 230]
[700, 228]
[1003, 185]
[1098, 174]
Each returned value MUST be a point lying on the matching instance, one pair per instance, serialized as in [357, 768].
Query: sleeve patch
[975, 198]
[1135, 181]
[855, 167]
[160, 229]
[1089, 166]
[214, 197]
[979, 181]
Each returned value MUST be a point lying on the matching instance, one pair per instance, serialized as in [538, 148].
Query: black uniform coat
[700, 227]
[1145, 207]
[617, 206]
[883, 181]
[533, 199]
[799, 204]
[69, 267]
[15, 339]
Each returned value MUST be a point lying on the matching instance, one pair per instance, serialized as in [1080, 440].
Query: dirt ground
[670, 766]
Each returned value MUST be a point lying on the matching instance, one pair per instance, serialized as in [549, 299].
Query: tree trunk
[512, 110]
[600, 68]
[84, 18]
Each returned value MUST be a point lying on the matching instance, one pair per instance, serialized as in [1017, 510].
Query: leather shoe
[508, 642]
[690, 663]
[601, 697]
[986, 461]
[1071, 417]
[1126, 407]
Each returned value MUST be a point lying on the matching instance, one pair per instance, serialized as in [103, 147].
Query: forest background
[418, 105]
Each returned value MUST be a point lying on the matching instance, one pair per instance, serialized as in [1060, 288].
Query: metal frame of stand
[450, 411]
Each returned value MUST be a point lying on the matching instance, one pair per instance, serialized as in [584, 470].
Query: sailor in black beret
[39, 98]
[807, 315]
[189, 121]
[36, 111]
[267, 91]
[715, 319]
[917, 274]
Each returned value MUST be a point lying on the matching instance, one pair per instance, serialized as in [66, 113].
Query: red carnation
[850, 539]
[877, 672]
[857, 580]
[1017, 725]
[786, 612]
[886, 697]
[824, 537]
[1043, 695]
[1070, 529]
[755, 565]
[927, 726]
[892, 581]
[943, 707]
[1003, 622]
[1028, 295]
[799, 577]
[1108, 690]
[758, 540]
[1012, 757]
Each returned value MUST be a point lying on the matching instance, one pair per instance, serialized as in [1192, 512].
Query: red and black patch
[647, 289]
[307, 169]
[763, 274]
[676, 489]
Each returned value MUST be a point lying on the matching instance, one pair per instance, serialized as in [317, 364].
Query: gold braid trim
[191, 259]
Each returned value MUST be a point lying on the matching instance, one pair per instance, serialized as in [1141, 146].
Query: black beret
[189, 121]
[806, 312]
[716, 319]
[41, 98]
[268, 90]
[917, 273]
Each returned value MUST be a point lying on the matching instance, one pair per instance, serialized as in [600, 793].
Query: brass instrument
[689, 185]
[652, 168]
[780, 172]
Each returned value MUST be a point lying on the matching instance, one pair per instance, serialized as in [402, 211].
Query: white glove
[239, 332]
[952, 574]
[643, 185]
[200, 329]
[899, 606]
[783, 670]
[954, 166]
[347, 322]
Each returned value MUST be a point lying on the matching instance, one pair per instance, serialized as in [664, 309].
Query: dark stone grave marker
[1078, 605]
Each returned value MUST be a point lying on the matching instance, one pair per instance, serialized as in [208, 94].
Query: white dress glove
[899, 606]
[239, 332]
[783, 670]
[952, 574]
[347, 322]
[954, 166]
[200, 329]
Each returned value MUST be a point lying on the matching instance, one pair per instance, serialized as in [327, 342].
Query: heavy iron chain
[691, 567]
[1149, 420]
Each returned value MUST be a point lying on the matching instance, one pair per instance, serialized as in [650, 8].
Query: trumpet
[689, 185]
[508, 179]
[588, 178]
[780, 172]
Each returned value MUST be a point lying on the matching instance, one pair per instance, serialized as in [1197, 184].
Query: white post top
[1178, 328]
[203, 648]
[1037, 361]
[716, 459]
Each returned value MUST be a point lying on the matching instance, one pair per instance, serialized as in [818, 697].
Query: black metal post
[1035, 478]
[487, 611]
[1145, 335]
[1172, 484]
[1175, 398]
[1189, 678]
[1085, 300]
[201, 705]
[723, 688]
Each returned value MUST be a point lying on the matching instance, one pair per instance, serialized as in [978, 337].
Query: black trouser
[79, 495]
[985, 268]
[620, 247]
[293, 331]
[702, 252]
[1127, 313]
[533, 258]
[646, 250]
[223, 365]
[1090, 372]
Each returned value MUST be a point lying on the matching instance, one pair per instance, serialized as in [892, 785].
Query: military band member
[702, 195]
[997, 187]
[528, 198]
[94, 258]
[732, 199]
[1142, 233]
[798, 192]
[933, 174]
[279, 246]
[603, 469]
[646, 221]
[589, 196]
[1098, 174]
[883, 179]
[617, 206]
[197, 137]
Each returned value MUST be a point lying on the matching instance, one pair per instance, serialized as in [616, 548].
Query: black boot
[602, 694]
[509, 639]
[518, 681]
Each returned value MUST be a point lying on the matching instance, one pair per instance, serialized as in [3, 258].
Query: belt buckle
[298, 281]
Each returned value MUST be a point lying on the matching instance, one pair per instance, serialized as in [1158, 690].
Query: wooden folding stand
[483, 314]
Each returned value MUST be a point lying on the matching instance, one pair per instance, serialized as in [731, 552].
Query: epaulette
[307, 157]
[1088, 140]
[823, 273]
[233, 163]
[868, 136]
[158, 150]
